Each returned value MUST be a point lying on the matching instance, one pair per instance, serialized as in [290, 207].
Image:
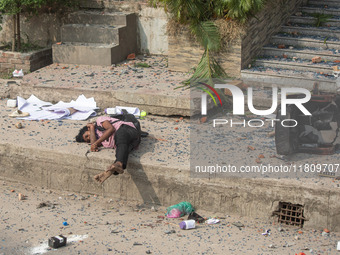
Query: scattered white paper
[41, 110]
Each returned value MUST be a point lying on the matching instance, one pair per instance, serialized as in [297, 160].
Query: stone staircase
[287, 59]
[96, 38]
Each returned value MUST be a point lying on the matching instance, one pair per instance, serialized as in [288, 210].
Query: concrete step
[298, 65]
[84, 54]
[99, 17]
[328, 3]
[329, 11]
[306, 41]
[302, 53]
[309, 30]
[309, 20]
[268, 77]
[91, 33]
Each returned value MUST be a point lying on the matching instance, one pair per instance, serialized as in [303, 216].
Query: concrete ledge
[165, 185]
[146, 100]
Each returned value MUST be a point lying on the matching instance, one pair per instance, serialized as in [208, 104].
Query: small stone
[18, 125]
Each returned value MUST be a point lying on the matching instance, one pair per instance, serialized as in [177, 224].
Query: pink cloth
[110, 142]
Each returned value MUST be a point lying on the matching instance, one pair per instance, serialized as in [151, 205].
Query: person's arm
[109, 130]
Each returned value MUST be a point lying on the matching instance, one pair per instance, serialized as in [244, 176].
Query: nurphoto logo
[239, 102]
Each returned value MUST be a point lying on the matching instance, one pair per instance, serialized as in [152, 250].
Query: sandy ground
[99, 225]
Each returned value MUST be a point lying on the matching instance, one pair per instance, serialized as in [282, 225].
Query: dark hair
[79, 137]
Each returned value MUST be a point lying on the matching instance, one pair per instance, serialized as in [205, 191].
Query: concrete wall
[27, 62]
[151, 27]
[45, 29]
[184, 55]
[267, 22]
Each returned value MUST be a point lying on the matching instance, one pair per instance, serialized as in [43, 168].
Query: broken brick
[316, 59]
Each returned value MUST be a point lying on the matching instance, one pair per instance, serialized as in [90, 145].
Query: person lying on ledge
[111, 133]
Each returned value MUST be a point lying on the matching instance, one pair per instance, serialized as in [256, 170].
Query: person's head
[83, 135]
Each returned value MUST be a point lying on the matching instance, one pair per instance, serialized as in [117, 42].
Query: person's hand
[90, 126]
[94, 147]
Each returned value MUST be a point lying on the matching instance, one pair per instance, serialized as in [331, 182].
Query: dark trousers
[126, 138]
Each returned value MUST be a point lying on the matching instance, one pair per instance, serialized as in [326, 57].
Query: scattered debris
[187, 224]
[316, 59]
[250, 148]
[57, 241]
[21, 197]
[238, 224]
[212, 221]
[12, 103]
[131, 56]
[266, 232]
[271, 134]
[18, 125]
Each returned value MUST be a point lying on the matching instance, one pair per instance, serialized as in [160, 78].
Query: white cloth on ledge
[41, 110]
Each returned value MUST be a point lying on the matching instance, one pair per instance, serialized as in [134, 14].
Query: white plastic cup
[12, 103]
[187, 224]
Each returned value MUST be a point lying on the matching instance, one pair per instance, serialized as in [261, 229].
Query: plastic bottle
[110, 111]
[187, 224]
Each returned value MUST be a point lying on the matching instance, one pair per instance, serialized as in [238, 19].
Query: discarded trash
[65, 223]
[338, 246]
[21, 197]
[196, 217]
[212, 221]
[57, 241]
[169, 232]
[187, 224]
[110, 111]
[273, 246]
[325, 233]
[143, 115]
[11, 103]
[17, 73]
[18, 125]
[176, 211]
[19, 113]
[316, 59]
[131, 56]
[266, 233]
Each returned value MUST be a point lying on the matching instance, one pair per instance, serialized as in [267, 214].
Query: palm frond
[206, 71]
[207, 34]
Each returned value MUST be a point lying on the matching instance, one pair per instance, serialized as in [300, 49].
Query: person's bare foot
[115, 167]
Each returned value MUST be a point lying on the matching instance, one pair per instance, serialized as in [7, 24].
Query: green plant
[200, 17]
[30, 7]
[321, 18]
[145, 65]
